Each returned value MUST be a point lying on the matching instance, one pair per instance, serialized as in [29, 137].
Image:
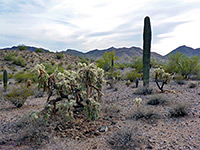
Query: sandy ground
[159, 131]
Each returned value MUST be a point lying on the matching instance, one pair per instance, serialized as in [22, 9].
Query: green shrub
[84, 60]
[22, 47]
[69, 66]
[59, 55]
[10, 56]
[19, 61]
[39, 50]
[9, 76]
[24, 76]
[131, 75]
[18, 95]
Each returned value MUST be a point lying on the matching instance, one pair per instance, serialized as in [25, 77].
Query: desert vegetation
[59, 101]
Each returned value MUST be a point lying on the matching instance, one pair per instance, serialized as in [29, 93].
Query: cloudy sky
[89, 24]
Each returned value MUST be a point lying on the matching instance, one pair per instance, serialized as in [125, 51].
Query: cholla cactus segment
[137, 101]
[160, 74]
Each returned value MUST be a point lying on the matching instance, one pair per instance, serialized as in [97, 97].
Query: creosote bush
[179, 110]
[144, 91]
[18, 95]
[125, 139]
[158, 100]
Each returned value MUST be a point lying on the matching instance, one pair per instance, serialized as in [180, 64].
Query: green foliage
[131, 75]
[122, 65]
[59, 55]
[69, 67]
[146, 50]
[137, 64]
[39, 50]
[18, 95]
[24, 76]
[9, 76]
[19, 61]
[5, 80]
[84, 60]
[108, 61]
[92, 110]
[183, 65]
[22, 47]
[10, 56]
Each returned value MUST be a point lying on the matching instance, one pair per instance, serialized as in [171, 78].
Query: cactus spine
[146, 51]
[5, 80]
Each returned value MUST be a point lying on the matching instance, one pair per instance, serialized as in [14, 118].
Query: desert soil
[158, 132]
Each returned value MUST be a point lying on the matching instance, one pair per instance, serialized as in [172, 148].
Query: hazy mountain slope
[185, 50]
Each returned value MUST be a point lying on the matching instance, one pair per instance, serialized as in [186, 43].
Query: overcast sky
[98, 24]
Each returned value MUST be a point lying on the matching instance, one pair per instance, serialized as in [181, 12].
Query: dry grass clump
[145, 113]
[193, 84]
[179, 110]
[125, 139]
[144, 91]
[158, 100]
[18, 95]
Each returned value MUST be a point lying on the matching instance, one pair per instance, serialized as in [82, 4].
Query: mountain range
[125, 54]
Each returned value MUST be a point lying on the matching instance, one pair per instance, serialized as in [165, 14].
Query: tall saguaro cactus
[5, 80]
[146, 51]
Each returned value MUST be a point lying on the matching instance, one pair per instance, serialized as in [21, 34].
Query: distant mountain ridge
[189, 51]
[125, 54]
[30, 48]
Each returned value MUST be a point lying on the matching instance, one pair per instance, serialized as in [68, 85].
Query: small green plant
[160, 75]
[59, 55]
[131, 75]
[22, 47]
[5, 80]
[10, 56]
[19, 61]
[18, 95]
[39, 50]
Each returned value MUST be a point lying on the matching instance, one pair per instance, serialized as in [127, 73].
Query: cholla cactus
[137, 101]
[80, 86]
[160, 75]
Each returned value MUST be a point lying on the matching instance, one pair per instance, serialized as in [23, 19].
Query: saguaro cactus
[5, 80]
[146, 51]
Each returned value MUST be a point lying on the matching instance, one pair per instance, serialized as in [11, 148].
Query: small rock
[103, 129]
[149, 146]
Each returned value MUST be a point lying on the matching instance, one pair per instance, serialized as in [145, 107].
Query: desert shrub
[10, 56]
[146, 113]
[84, 60]
[108, 61]
[137, 63]
[192, 84]
[12, 68]
[183, 65]
[122, 65]
[179, 79]
[158, 100]
[110, 109]
[178, 110]
[131, 75]
[69, 66]
[24, 76]
[59, 55]
[144, 91]
[39, 50]
[19, 61]
[125, 139]
[18, 95]
[22, 47]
